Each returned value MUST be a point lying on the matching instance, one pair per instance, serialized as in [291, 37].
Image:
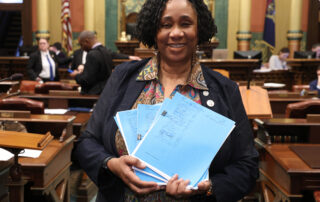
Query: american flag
[66, 26]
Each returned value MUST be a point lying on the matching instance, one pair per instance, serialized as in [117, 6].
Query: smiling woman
[174, 28]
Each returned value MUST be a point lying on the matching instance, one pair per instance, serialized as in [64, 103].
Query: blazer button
[210, 103]
[205, 93]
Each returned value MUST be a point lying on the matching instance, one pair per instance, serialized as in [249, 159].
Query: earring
[195, 57]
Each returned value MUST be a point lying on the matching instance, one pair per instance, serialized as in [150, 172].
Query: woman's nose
[176, 32]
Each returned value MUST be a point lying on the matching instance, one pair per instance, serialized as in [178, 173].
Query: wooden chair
[28, 86]
[301, 109]
[299, 88]
[17, 103]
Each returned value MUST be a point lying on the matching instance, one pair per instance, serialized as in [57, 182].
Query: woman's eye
[186, 24]
[165, 25]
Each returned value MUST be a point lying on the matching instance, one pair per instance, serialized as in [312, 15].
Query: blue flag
[269, 25]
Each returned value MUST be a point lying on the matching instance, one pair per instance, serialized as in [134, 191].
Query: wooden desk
[285, 175]
[304, 69]
[50, 172]
[4, 174]
[64, 101]
[10, 65]
[239, 69]
[279, 105]
[80, 122]
[289, 130]
[250, 98]
[127, 47]
[42, 123]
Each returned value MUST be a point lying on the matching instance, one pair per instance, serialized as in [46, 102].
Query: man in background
[42, 65]
[316, 49]
[57, 49]
[98, 66]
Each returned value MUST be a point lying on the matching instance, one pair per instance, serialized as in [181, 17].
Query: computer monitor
[304, 54]
[131, 29]
[247, 54]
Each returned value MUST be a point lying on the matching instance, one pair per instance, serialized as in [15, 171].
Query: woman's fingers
[122, 167]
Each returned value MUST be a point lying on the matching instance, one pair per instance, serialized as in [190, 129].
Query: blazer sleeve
[31, 66]
[239, 175]
[115, 55]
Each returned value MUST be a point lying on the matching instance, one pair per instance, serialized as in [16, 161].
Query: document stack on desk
[177, 136]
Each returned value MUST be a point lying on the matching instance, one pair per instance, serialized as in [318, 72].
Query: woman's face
[177, 36]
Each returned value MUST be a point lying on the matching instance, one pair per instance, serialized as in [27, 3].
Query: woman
[279, 62]
[174, 28]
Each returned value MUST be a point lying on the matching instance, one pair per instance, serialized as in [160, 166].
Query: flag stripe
[66, 25]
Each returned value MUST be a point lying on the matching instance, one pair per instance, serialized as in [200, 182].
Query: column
[294, 34]
[212, 6]
[89, 15]
[244, 33]
[42, 19]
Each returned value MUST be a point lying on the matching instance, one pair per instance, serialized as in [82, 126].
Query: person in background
[79, 59]
[57, 49]
[98, 67]
[174, 28]
[315, 84]
[42, 64]
[316, 49]
[279, 62]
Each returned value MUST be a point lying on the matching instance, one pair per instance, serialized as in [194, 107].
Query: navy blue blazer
[34, 66]
[233, 171]
[313, 86]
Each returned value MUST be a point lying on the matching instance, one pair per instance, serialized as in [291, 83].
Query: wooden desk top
[46, 118]
[225, 63]
[303, 62]
[69, 97]
[288, 122]
[256, 102]
[289, 160]
[52, 149]
[81, 118]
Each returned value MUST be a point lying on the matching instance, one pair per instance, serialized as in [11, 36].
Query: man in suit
[79, 59]
[98, 66]
[57, 49]
[42, 64]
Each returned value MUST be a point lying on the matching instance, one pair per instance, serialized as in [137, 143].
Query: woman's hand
[178, 187]
[122, 167]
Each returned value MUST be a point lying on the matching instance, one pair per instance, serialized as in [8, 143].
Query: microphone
[16, 76]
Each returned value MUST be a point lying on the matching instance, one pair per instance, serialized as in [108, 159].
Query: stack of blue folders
[177, 136]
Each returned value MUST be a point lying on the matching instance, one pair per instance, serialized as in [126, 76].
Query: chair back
[299, 88]
[25, 104]
[301, 109]
[28, 86]
[44, 88]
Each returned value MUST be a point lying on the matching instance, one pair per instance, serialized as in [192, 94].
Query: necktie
[51, 69]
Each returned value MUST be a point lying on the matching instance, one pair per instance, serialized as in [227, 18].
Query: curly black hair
[149, 18]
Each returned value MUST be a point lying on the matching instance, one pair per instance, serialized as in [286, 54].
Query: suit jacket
[313, 86]
[77, 59]
[97, 70]
[34, 66]
[233, 171]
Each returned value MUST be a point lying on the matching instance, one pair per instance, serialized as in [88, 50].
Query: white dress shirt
[45, 73]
